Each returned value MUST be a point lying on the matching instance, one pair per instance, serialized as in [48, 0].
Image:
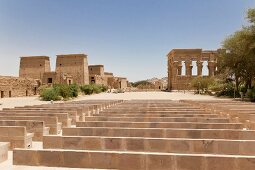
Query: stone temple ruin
[185, 64]
[70, 68]
[16, 86]
[98, 76]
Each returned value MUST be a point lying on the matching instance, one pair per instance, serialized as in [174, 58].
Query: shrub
[49, 94]
[74, 89]
[251, 94]
[216, 87]
[104, 88]
[96, 88]
[228, 90]
[63, 90]
[242, 88]
[90, 89]
[58, 91]
[42, 88]
[69, 91]
[87, 89]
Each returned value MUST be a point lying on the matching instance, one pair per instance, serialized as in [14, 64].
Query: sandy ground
[149, 95]
[22, 101]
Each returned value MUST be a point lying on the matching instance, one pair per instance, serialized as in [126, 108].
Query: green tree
[239, 57]
[251, 16]
[202, 83]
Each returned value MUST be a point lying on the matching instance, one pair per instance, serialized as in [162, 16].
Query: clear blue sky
[130, 37]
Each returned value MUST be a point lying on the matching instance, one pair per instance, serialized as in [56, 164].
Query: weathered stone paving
[137, 134]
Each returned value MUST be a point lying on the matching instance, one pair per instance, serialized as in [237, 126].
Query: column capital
[199, 62]
[188, 63]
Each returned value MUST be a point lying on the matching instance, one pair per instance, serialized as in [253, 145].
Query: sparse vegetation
[65, 92]
[90, 89]
[74, 89]
[201, 84]
[49, 94]
[59, 91]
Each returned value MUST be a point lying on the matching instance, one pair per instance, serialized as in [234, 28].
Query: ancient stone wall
[96, 70]
[75, 65]
[96, 79]
[96, 74]
[159, 85]
[108, 78]
[117, 82]
[34, 66]
[123, 83]
[17, 87]
[50, 78]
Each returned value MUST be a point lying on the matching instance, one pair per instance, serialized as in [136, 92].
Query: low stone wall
[17, 87]
[233, 134]
[160, 145]
[130, 160]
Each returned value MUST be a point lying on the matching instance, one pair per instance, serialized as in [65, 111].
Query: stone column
[179, 68]
[170, 74]
[175, 67]
[211, 67]
[199, 67]
[188, 65]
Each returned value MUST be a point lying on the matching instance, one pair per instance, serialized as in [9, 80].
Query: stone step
[158, 119]
[135, 109]
[156, 115]
[161, 133]
[191, 125]
[139, 144]
[125, 160]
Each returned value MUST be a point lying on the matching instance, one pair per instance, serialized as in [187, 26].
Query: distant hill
[154, 79]
[150, 82]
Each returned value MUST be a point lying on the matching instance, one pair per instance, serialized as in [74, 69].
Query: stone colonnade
[176, 57]
[177, 67]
